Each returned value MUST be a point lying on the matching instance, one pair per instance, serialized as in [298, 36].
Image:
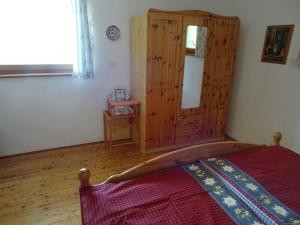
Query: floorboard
[42, 188]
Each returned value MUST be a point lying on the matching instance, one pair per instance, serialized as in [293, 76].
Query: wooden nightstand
[112, 122]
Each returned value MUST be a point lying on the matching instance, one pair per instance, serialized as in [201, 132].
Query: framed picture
[277, 43]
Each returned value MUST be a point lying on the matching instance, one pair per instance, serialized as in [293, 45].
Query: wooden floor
[42, 188]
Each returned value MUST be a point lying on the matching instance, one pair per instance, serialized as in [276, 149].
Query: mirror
[193, 66]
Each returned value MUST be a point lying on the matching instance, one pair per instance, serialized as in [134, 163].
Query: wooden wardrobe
[159, 54]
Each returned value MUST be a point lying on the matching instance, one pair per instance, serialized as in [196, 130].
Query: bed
[215, 183]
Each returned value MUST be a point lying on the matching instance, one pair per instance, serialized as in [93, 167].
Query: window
[191, 37]
[37, 37]
[191, 40]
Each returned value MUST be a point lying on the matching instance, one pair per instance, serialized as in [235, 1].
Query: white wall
[45, 112]
[266, 97]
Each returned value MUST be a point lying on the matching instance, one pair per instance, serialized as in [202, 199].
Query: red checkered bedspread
[172, 196]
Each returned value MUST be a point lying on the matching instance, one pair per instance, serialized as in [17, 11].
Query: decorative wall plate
[113, 33]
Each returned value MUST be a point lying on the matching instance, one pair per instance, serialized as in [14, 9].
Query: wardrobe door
[219, 67]
[191, 108]
[204, 118]
[164, 39]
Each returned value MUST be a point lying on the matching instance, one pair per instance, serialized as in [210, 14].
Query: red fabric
[173, 197]
[166, 197]
[276, 168]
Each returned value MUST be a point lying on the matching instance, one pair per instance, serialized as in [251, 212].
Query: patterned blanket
[241, 196]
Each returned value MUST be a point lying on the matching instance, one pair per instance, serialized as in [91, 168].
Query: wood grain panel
[221, 56]
[163, 58]
[189, 128]
[138, 41]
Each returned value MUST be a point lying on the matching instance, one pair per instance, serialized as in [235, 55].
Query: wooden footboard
[178, 157]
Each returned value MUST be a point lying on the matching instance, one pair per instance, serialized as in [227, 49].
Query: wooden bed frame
[178, 157]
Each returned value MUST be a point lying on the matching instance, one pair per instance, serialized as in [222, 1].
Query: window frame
[190, 51]
[36, 70]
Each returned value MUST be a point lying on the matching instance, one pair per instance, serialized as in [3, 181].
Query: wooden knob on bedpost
[277, 138]
[84, 177]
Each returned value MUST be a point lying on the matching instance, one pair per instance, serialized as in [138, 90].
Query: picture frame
[277, 43]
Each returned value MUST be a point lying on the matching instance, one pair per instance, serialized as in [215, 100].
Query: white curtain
[298, 60]
[201, 42]
[83, 66]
